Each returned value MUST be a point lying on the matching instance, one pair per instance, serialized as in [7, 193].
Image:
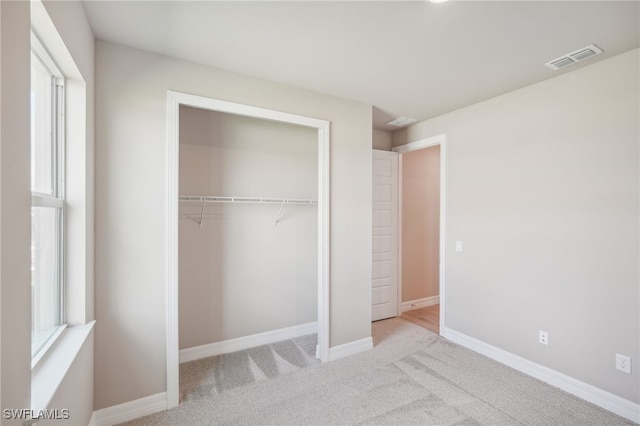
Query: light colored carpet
[209, 376]
[411, 377]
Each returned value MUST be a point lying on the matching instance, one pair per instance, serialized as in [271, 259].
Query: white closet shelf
[217, 199]
[204, 199]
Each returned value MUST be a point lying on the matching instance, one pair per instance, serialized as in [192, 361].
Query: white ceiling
[413, 58]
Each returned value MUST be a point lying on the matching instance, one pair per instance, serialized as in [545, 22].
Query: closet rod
[216, 199]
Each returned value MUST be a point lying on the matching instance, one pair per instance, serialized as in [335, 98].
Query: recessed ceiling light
[437, 1]
[401, 121]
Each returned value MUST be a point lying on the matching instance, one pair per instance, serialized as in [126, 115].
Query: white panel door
[384, 268]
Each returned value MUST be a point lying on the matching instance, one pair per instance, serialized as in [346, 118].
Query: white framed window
[47, 200]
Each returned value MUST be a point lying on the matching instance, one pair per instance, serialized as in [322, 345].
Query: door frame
[414, 146]
[174, 101]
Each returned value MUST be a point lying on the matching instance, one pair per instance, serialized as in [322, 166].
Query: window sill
[45, 349]
[51, 369]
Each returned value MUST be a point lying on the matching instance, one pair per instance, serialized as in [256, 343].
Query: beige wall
[420, 223]
[131, 200]
[15, 205]
[543, 190]
[381, 140]
[241, 274]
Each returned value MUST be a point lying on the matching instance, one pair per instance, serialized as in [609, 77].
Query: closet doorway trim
[174, 100]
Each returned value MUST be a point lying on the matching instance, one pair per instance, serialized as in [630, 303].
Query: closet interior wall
[240, 272]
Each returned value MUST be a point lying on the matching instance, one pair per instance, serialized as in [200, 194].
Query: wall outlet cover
[543, 337]
[623, 363]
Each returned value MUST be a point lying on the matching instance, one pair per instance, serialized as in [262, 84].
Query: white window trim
[44, 200]
[50, 371]
[43, 351]
[44, 56]
[55, 200]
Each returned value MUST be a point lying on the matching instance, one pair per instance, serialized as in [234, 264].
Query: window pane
[45, 275]
[42, 137]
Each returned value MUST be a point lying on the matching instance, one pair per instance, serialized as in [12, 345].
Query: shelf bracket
[202, 212]
[280, 212]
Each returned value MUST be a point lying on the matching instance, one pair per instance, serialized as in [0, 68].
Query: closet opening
[248, 235]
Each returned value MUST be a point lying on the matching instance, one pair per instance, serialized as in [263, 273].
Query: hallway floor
[427, 317]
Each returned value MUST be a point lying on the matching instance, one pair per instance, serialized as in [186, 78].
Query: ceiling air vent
[560, 63]
[401, 121]
[574, 57]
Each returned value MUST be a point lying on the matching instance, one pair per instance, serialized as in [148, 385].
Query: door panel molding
[384, 258]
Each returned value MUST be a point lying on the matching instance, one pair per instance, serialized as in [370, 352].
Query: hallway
[427, 317]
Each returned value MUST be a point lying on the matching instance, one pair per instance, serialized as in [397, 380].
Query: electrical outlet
[543, 337]
[623, 363]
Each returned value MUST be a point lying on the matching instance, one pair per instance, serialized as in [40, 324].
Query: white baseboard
[419, 303]
[129, 410]
[246, 342]
[597, 396]
[351, 348]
